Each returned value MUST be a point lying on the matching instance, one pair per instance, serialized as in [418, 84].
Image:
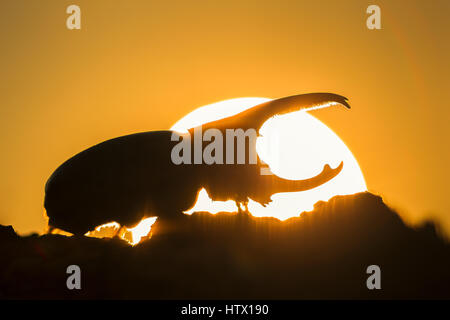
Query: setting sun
[295, 146]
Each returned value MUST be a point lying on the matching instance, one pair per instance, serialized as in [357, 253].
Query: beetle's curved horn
[257, 115]
[284, 185]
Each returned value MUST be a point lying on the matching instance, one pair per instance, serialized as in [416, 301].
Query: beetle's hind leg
[120, 232]
[50, 229]
[242, 207]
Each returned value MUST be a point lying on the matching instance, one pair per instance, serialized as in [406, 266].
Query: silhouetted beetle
[131, 177]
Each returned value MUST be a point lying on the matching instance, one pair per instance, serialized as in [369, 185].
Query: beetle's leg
[246, 206]
[49, 229]
[238, 205]
[242, 206]
[120, 232]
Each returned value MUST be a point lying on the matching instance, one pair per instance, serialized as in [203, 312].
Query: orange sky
[141, 65]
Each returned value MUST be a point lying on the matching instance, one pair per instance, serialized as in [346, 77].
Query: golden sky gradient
[142, 65]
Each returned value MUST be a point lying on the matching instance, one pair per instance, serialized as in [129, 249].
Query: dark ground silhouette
[322, 254]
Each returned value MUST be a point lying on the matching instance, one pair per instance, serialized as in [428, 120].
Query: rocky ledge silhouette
[322, 254]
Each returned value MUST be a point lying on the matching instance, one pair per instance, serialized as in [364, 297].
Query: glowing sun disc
[295, 146]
